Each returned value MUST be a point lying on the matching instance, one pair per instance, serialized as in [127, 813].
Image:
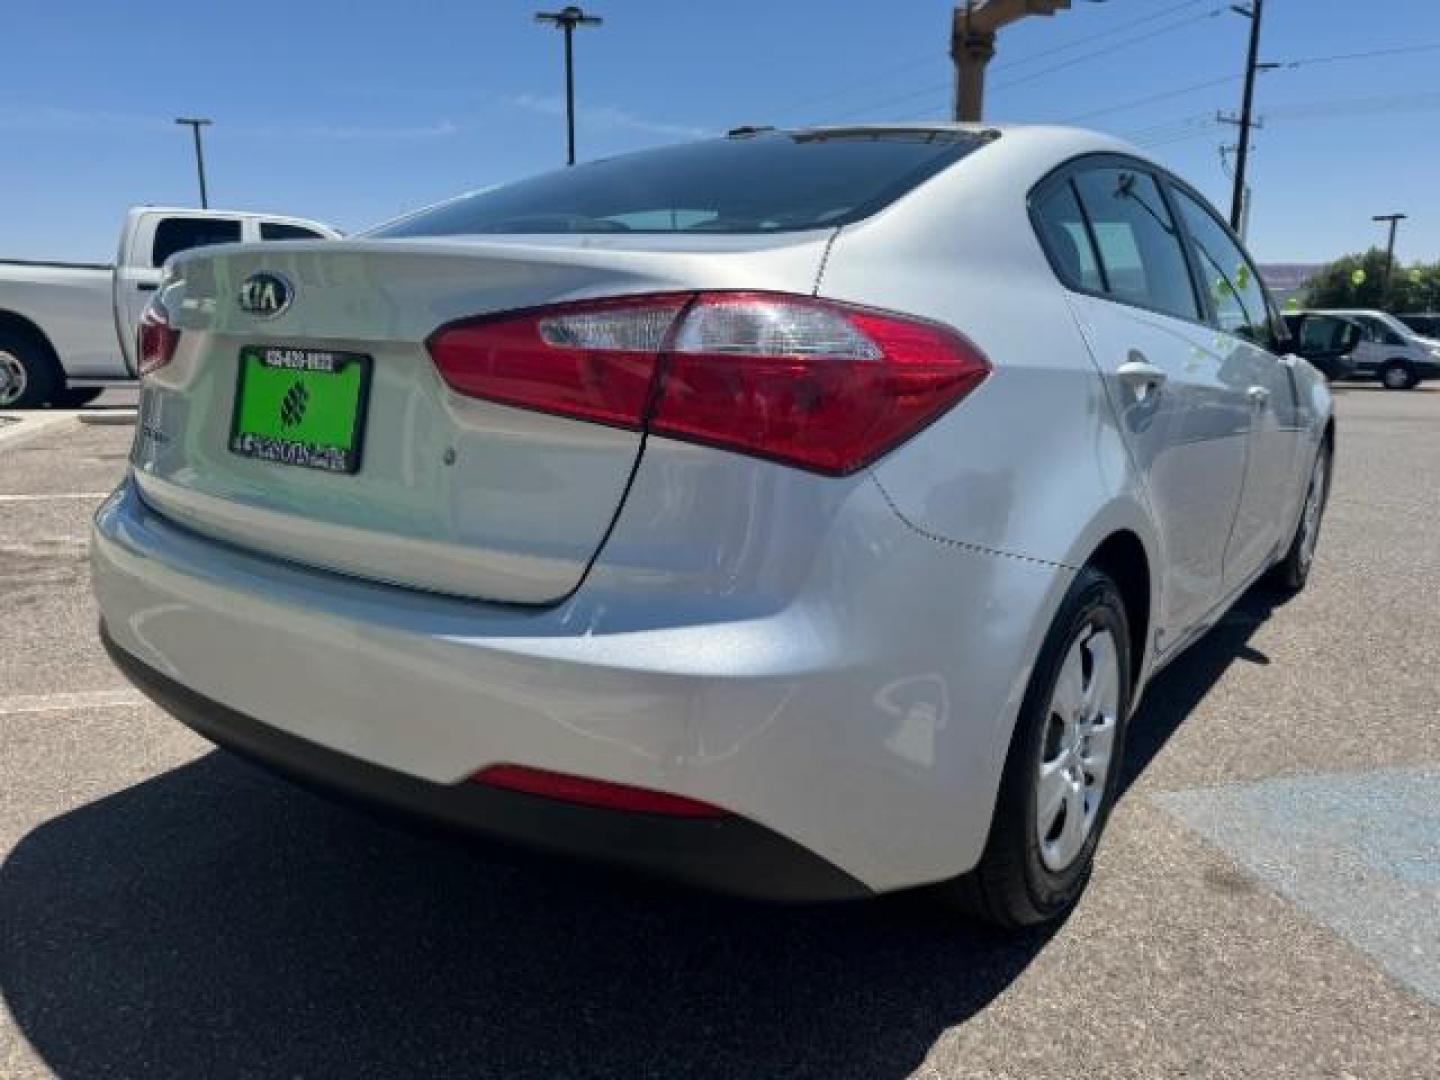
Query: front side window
[1377, 332]
[1322, 333]
[1138, 243]
[1236, 292]
[183, 233]
[753, 183]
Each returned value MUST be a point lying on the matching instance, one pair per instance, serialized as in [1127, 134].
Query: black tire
[1292, 573]
[1398, 375]
[28, 362]
[74, 397]
[1012, 887]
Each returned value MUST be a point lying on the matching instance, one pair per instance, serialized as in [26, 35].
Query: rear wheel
[1293, 571]
[1397, 376]
[29, 375]
[1062, 771]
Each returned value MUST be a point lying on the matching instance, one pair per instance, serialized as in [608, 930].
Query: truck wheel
[29, 375]
[1397, 376]
[73, 397]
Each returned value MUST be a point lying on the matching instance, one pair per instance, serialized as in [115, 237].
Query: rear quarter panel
[1032, 468]
[1033, 463]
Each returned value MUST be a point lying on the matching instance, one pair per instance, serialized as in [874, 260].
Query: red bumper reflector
[586, 792]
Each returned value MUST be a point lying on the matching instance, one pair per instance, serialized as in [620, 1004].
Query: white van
[1392, 352]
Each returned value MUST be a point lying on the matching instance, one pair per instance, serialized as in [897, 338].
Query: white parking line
[89, 699]
[52, 495]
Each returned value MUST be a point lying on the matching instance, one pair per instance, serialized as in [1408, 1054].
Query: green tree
[1358, 281]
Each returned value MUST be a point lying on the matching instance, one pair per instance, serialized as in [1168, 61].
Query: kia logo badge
[265, 295]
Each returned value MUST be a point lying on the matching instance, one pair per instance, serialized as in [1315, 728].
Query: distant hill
[1289, 279]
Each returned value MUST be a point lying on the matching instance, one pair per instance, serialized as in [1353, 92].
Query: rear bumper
[861, 714]
[727, 854]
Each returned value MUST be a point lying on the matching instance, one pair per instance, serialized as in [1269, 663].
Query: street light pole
[195, 123]
[1394, 221]
[567, 19]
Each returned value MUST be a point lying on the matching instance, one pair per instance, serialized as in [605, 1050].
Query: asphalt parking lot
[1265, 904]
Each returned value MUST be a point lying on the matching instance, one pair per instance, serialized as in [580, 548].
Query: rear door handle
[145, 286]
[1258, 396]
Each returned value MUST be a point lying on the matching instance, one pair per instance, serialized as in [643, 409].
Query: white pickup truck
[67, 330]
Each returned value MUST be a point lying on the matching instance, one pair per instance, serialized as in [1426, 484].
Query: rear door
[1250, 348]
[1111, 234]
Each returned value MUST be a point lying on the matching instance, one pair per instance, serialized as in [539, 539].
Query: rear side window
[1237, 295]
[280, 230]
[754, 183]
[181, 234]
[1139, 246]
[1062, 225]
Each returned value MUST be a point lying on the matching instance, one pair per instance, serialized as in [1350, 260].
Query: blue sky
[354, 110]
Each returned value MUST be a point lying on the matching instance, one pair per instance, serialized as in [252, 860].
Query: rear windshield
[752, 183]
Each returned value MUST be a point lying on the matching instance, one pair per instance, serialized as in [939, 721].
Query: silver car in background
[800, 513]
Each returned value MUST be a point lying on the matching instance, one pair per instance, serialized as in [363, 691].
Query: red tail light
[811, 383]
[156, 338]
[578, 789]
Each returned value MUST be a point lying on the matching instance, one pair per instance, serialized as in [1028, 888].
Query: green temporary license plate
[301, 407]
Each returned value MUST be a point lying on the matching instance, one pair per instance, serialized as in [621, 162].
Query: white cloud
[351, 132]
[47, 119]
[59, 120]
[605, 117]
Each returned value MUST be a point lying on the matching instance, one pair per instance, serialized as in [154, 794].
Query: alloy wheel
[1314, 506]
[1078, 747]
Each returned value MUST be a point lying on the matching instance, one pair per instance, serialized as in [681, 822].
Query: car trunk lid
[450, 493]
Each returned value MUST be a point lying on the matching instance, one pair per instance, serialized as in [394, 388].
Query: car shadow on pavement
[1174, 694]
[216, 922]
[213, 921]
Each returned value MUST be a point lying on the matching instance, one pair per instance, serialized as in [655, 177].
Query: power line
[930, 55]
[1339, 57]
[1151, 99]
[1152, 17]
[1181, 91]
[1136, 40]
[908, 65]
[1196, 125]
[1032, 76]
[1416, 101]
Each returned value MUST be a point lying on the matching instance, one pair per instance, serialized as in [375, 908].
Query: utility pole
[567, 19]
[195, 123]
[1394, 220]
[972, 44]
[1255, 12]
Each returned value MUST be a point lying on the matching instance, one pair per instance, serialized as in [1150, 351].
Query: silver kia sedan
[798, 513]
